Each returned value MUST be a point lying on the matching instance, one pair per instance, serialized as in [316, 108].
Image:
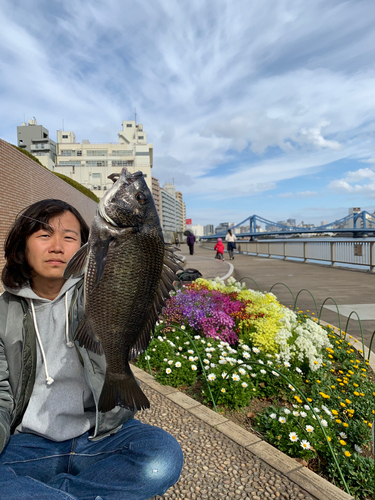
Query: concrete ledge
[272, 456]
[182, 400]
[317, 486]
[210, 417]
[238, 434]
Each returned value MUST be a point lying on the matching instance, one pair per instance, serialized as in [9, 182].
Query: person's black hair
[17, 271]
[230, 232]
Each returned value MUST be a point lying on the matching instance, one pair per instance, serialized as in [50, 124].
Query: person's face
[49, 250]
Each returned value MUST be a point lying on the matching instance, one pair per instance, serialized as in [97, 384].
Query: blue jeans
[136, 463]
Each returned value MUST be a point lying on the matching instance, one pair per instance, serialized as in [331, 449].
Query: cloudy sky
[252, 107]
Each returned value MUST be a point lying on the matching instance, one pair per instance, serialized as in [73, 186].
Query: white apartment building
[172, 209]
[91, 164]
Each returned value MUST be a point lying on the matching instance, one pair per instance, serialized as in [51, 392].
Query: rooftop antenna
[135, 114]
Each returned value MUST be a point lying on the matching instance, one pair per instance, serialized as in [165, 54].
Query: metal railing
[353, 253]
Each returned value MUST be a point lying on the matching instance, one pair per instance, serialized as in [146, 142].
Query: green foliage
[339, 386]
[84, 190]
[31, 156]
[78, 186]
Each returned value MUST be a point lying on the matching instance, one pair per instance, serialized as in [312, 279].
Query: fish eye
[140, 197]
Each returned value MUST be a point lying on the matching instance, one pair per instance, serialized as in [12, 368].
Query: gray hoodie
[56, 409]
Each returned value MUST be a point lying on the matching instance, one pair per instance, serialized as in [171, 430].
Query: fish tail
[122, 390]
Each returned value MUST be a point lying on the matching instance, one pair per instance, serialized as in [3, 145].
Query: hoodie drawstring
[50, 380]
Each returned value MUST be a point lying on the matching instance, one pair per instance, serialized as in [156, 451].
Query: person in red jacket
[219, 247]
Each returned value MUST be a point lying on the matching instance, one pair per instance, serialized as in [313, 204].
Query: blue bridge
[359, 224]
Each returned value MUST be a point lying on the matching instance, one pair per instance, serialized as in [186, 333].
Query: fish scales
[124, 261]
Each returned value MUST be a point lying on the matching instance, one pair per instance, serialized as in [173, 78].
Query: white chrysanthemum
[296, 413]
[275, 373]
[303, 414]
[206, 367]
[235, 377]
[256, 350]
[286, 411]
[209, 356]
[246, 355]
[178, 364]
[170, 362]
[309, 428]
[193, 367]
[244, 385]
[305, 444]
[182, 327]
[191, 358]
[324, 422]
[224, 375]
[263, 372]
[242, 371]
[343, 435]
[298, 370]
[168, 370]
[282, 420]
[357, 448]
[190, 351]
[260, 362]
[273, 415]
[245, 348]
[212, 365]
[293, 437]
[211, 377]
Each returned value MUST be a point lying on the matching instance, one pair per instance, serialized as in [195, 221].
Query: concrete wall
[23, 182]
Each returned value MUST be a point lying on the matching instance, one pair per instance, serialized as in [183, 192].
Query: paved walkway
[222, 460]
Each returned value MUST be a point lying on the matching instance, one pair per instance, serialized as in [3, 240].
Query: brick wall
[23, 182]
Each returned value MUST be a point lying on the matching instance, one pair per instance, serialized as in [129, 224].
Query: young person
[219, 247]
[231, 243]
[54, 444]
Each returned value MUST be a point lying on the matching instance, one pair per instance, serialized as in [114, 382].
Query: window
[65, 137]
[71, 162]
[122, 163]
[79, 152]
[96, 163]
[67, 152]
[142, 153]
[97, 152]
[140, 137]
[96, 176]
[121, 152]
[129, 125]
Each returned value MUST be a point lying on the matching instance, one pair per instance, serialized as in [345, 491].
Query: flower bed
[237, 345]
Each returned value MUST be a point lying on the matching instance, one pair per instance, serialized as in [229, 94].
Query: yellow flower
[330, 356]
[338, 421]
[348, 401]
[325, 396]
[333, 387]
[350, 371]
[329, 439]
[343, 404]
[348, 454]
[298, 399]
[345, 424]
[342, 442]
[335, 412]
[370, 424]
[356, 385]
[356, 393]
[309, 400]
[318, 381]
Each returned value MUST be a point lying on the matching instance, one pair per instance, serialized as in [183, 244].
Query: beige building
[156, 193]
[91, 164]
[183, 209]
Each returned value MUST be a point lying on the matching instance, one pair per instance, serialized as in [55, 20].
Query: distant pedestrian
[176, 242]
[231, 243]
[190, 241]
[219, 247]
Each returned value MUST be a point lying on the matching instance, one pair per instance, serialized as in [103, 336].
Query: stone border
[313, 484]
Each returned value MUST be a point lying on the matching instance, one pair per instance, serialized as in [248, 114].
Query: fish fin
[77, 264]
[145, 337]
[121, 389]
[101, 255]
[87, 339]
